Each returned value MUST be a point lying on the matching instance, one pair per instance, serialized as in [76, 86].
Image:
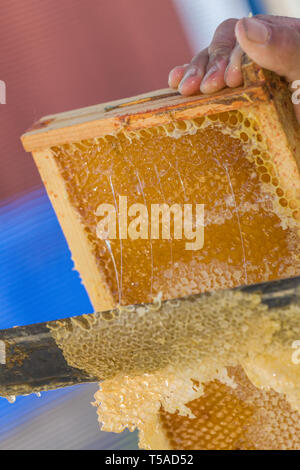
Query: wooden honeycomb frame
[265, 93]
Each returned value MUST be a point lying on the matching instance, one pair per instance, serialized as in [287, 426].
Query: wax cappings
[155, 361]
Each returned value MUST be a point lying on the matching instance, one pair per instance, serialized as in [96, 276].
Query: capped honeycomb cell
[249, 229]
[240, 418]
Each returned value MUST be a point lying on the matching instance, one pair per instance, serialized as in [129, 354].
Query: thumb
[272, 46]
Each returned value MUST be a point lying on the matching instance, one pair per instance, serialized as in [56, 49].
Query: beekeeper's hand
[273, 42]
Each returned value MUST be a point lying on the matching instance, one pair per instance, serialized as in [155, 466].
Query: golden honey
[221, 161]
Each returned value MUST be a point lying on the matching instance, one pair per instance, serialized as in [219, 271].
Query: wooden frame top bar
[146, 110]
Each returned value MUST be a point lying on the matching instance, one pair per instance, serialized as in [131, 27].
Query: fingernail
[173, 73]
[235, 58]
[256, 31]
[191, 72]
[171, 76]
[211, 71]
[234, 64]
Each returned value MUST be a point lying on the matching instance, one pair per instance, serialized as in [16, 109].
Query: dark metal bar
[31, 361]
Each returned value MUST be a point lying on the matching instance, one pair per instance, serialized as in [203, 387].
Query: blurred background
[57, 55]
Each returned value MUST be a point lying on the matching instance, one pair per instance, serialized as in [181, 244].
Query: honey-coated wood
[265, 93]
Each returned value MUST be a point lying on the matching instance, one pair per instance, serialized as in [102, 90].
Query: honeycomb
[213, 371]
[205, 372]
[251, 221]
